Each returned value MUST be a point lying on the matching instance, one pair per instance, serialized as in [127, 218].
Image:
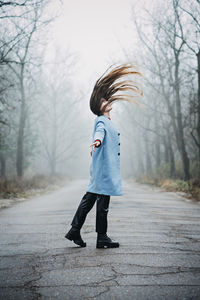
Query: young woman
[105, 177]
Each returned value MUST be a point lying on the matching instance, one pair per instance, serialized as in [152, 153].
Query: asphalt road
[158, 257]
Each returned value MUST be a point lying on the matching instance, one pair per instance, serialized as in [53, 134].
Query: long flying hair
[113, 87]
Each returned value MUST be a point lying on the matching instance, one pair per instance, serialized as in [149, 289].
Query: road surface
[158, 257]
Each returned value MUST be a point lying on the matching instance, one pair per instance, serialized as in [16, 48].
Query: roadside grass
[23, 188]
[191, 188]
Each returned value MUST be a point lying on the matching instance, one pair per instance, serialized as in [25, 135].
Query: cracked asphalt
[158, 257]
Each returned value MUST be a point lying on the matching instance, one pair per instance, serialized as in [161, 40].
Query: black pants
[86, 205]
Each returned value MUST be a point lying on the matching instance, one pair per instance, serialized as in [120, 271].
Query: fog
[52, 53]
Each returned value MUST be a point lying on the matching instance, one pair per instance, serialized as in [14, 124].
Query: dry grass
[17, 188]
[190, 187]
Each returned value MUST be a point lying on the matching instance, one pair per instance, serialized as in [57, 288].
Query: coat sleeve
[99, 131]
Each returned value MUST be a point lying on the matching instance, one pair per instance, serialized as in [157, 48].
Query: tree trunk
[166, 150]
[54, 141]
[181, 141]
[20, 139]
[3, 166]
[198, 104]
[171, 157]
[158, 154]
[147, 154]
[157, 142]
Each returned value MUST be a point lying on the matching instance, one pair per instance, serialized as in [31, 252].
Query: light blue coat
[105, 177]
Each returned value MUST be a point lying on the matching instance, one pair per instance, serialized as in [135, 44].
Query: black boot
[75, 236]
[104, 240]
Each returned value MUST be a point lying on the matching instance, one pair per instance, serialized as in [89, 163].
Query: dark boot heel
[68, 236]
[104, 241]
[100, 245]
[74, 235]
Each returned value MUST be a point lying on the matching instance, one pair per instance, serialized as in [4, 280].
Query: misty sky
[97, 32]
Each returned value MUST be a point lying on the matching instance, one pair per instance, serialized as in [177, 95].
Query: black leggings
[86, 204]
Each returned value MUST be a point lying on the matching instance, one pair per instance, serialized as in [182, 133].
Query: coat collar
[106, 117]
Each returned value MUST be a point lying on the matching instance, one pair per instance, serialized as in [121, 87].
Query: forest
[44, 136]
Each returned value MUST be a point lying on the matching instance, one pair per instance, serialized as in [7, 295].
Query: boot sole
[71, 238]
[108, 245]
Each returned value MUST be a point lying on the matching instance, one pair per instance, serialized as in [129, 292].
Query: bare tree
[165, 51]
[13, 3]
[16, 55]
[191, 37]
[57, 122]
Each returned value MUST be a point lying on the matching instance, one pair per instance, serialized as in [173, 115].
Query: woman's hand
[95, 144]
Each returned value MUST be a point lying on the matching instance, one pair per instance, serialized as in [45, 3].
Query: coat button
[119, 144]
[118, 153]
[118, 133]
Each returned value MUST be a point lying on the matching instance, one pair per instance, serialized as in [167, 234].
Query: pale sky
[97, 32]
